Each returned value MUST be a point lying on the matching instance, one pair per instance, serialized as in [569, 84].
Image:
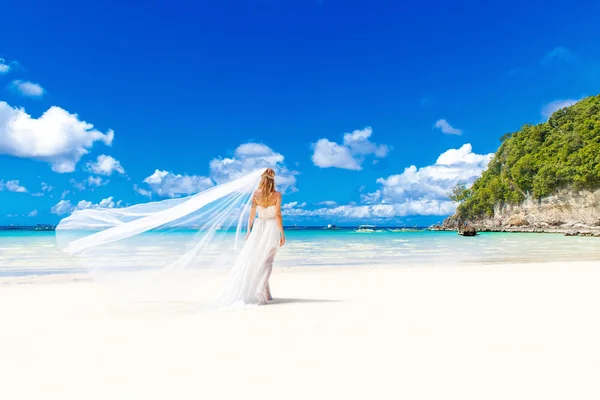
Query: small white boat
[366, 229]
[405, 229]
[331, 227]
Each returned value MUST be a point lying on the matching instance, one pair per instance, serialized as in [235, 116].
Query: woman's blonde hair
[266, 187]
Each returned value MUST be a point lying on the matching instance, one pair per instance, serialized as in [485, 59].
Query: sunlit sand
[511, 331]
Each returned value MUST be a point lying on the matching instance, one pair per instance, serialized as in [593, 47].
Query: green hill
[537, 161]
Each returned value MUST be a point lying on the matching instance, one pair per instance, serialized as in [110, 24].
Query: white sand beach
[519, 331]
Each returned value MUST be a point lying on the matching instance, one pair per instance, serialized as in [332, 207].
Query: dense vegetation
[536, 161]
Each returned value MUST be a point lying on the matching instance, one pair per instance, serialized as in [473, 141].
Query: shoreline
[88, 278]
[590, 232]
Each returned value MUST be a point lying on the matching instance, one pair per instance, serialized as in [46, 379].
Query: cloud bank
[351, 154]
[57, 137]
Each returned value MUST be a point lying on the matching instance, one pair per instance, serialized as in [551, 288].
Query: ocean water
[27, 253]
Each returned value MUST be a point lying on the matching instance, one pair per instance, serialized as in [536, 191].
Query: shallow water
[36, 253]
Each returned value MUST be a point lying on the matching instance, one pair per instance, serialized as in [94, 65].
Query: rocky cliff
[564, 211]
[543, 177]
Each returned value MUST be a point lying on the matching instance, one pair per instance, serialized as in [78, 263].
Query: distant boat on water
[367, 229]
[331, 227]
[415, 229]
[44, 228]
[27, 228]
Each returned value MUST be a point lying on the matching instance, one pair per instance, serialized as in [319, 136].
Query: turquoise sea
[30, 253]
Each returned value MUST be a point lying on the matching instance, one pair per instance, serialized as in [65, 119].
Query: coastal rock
[581, 226]
[450, 223]
[566, 211]
[468, 231]
[517, 220]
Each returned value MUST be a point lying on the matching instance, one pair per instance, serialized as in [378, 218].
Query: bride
[248, 281]
[112, 241]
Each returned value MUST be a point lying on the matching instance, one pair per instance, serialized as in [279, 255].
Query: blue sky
[423, 90]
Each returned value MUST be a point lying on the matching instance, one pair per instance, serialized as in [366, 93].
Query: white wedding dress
[129, 243]
[248, 281]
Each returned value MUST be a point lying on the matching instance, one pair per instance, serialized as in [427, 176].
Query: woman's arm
[279, 219]
[252, 216]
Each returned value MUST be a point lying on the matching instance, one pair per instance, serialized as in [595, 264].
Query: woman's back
[267, 213]
[260, 200]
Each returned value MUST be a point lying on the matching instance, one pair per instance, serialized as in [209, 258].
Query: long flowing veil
[165, 250]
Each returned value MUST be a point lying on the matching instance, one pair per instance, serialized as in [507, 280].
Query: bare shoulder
[254, 198]
[277, 196]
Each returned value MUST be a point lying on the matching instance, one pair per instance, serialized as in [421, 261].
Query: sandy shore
[528, 331]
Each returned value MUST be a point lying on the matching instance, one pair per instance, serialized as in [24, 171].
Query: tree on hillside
[537, 161]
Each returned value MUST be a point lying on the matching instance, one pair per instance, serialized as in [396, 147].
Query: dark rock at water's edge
[586, 233]
[451, 224]
[467, 231]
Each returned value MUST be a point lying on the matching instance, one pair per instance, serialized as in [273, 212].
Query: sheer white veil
[150, 249]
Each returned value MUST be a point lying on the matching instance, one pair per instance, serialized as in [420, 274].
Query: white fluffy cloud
[66, 207]
[142, 191]
[12, 186]
[327, 203]
[45, 188]
[350, 154]
[57, 137]
[27, 89]
[95, 181]
[167, 184]
[446, 128]
[78, 185]
[4, 66]
[89, 182]
[329, 154]
[416, 191]
[62, 207]
[108, 203]
[105, 165]
[432, 182]
[292, 205]
[249, 157]
[556, 105]
[33, 213]
[377, 211]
